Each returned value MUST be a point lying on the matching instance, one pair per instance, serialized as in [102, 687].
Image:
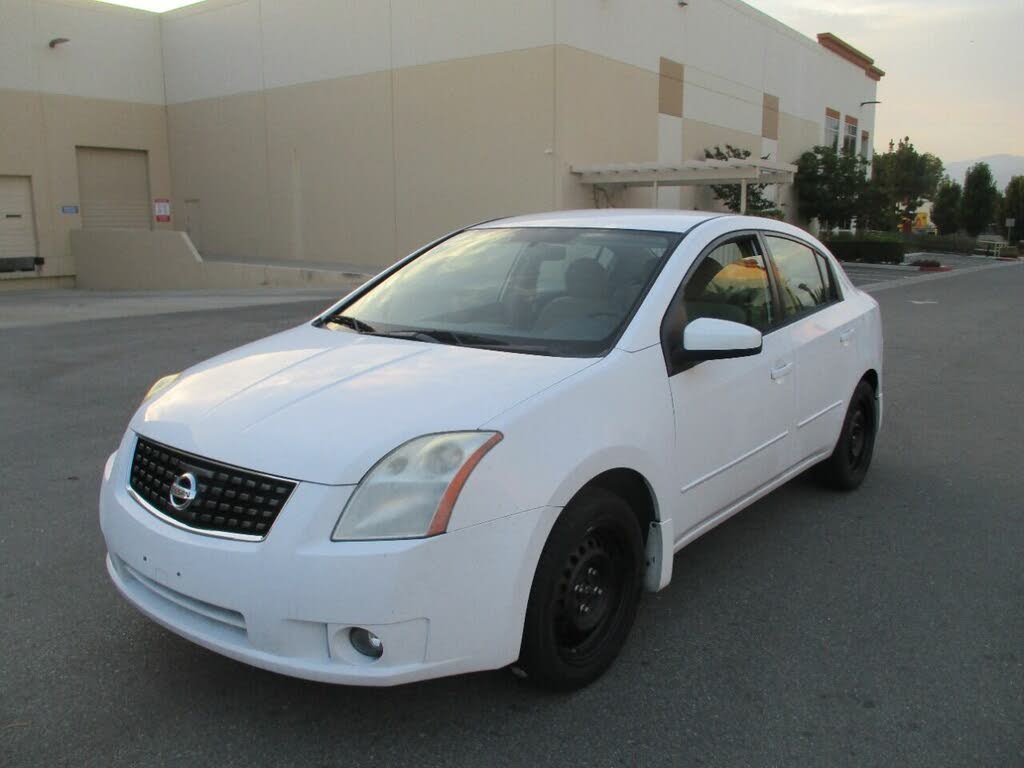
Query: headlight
[411, 491]
[161, 384]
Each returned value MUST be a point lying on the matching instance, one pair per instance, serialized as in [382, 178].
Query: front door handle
[845, 336]
[781, 371]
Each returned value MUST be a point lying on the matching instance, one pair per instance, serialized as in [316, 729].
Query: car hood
[324, 406]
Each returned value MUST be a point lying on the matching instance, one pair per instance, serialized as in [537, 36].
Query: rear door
[823, 328]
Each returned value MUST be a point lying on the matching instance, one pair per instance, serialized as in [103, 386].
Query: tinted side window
[731, 283]
[805, 282]
[829, 277]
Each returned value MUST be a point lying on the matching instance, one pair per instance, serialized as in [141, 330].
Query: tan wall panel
[40, 133]
[331, 171]
[471, 142]
[607, 113]
[770, 118]
[670, 87]
[219, 152]
[23, 153]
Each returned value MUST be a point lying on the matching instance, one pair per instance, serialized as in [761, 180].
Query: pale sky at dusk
[954, 67]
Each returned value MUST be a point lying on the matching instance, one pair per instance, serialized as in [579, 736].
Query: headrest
[586, 279]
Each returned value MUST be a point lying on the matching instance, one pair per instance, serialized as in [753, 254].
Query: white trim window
[850, 139]
[832, 132]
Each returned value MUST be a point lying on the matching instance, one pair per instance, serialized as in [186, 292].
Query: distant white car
[484, 455]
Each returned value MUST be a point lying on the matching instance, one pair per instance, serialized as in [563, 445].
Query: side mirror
[708, 338]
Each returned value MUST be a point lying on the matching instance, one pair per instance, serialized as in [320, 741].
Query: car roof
[652, 220]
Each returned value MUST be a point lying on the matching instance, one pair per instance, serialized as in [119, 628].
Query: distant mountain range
[1004, 168]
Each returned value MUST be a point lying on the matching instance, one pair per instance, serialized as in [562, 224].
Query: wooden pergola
[689, 173]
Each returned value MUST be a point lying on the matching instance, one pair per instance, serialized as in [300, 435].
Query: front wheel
[585, 592]
[846, 468]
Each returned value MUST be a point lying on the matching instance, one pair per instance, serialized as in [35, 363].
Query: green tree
[875, 208]
[829, 185]
[1014, 205]
[946, 207]
[980, 199]
[730, 194]
[908, 176]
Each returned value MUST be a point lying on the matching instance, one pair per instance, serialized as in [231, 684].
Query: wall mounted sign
[162, 209]
[69, 209]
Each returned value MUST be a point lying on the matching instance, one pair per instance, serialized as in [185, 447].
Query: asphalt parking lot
[871, 275]
[879, 628]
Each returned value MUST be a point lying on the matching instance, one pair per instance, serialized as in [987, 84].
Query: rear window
[805, 280]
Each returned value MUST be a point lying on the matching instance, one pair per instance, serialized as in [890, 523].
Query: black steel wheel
[585, 592]
[846, 468]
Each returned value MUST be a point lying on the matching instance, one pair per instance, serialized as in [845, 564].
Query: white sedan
[484, 455]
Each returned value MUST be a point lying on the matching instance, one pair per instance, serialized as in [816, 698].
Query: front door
[733, 417]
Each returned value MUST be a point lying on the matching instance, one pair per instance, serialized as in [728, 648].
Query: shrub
[869, 250]
[941, 243]
[869, 235]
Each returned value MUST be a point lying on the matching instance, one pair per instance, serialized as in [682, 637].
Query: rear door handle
[845, 336]
[781, 371]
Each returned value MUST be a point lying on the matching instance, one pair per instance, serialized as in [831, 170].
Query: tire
[846, 468]
[585, 592]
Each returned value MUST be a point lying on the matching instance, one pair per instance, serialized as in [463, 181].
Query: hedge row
[942, 243]
[869, 251]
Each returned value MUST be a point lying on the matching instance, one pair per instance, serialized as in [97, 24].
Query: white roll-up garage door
[17, 221]
[113, 188]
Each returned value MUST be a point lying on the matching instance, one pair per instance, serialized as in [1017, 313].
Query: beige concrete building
[351, 131]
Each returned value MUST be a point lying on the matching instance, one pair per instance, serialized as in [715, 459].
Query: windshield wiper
[511, 346]
[349, 322]
[435, 337]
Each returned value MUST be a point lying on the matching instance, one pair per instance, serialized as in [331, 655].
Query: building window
[832, 129]
[850, 139]
[865, 145]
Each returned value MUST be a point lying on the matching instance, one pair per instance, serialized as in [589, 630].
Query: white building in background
[351, 132]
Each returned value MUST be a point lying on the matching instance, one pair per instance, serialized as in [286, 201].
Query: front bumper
[445, 605]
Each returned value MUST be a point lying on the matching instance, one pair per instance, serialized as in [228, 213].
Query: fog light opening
[366, 643]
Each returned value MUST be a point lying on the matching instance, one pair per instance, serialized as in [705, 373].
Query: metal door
[113, 188]
[17, 224]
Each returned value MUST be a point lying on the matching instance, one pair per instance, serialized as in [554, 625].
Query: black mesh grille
[228, 499]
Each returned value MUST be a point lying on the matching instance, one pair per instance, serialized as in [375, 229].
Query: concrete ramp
[166, 260]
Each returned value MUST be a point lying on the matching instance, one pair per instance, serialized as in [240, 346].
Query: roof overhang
[844, 50]
[687, 173]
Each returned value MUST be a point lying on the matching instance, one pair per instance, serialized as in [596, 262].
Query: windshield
[555, 291]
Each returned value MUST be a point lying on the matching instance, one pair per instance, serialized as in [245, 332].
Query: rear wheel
[846, 468]
[585, 592]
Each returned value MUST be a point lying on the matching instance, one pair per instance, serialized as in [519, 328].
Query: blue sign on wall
[69, 209]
